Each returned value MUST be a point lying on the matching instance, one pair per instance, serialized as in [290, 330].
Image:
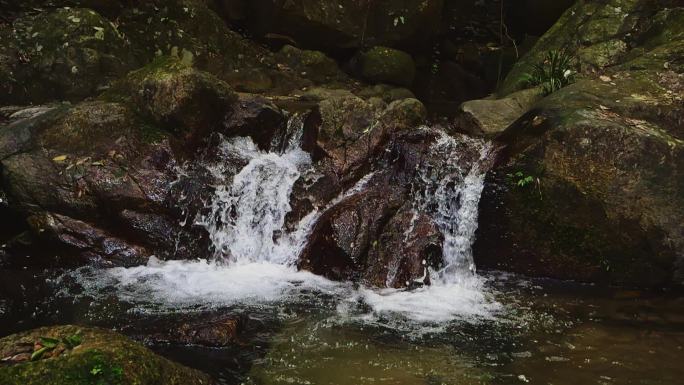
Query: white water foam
[450, 191]
[246, 225]
[195, 285]
[248, 215]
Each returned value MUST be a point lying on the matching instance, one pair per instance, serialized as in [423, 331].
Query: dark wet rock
[348, 24]
[343, 136]
[210, 331]
[387, 65]
[103, 167]
[99, 356]
[85, 243]
[419, 241]
[447, 84]
[590, 187]
[64, 54]
[313, 65]
[373, 235]
[343, 122]
[21, 124]
[352, 130]
[80, 168]
[492, 116]
[386, 92]
[256, 117]
[339, 245]
[176, 96]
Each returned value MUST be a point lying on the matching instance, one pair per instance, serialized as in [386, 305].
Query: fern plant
[554, 72]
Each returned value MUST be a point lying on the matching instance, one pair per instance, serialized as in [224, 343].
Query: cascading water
[254, 256]
[248, 215]
[450, 185]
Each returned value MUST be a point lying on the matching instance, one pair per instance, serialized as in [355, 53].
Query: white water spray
[451, 183]
[248, 215]
[246, 224]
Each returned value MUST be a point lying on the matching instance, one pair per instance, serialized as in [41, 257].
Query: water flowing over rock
[417, 213]
[248, 215]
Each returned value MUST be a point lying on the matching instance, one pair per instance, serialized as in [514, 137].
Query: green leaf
[49, 342]
[39, 353]
[96, 370]
[72, 341]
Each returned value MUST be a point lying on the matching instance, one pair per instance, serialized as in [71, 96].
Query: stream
[467, 327]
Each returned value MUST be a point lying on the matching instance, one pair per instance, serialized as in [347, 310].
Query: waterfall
[245, 220]
[248, 214]
[451, 181]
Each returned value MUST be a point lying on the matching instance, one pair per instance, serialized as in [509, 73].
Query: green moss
[152, 134]
[68, 53]
[388, 65]
[103, 358]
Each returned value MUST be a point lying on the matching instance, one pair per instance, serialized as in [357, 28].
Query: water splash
[246, 224]
[451, 183]
[248, 215]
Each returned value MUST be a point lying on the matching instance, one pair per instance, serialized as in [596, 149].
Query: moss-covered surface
[65, 54]
[313, 65]
[604, 156]
[598, 33]
[387, 65]
[606, 159]
[175, 96]
[102, 358]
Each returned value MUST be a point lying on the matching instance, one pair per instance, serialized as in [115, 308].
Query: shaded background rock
[66, 54]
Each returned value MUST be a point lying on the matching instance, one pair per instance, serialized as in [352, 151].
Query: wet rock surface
[375, 235]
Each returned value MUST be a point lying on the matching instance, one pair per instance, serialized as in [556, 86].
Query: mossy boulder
[313, 65]
[597, 34]
[64, 54]
[175, 96]
[99, 357]
[69, 161]
[190, 30]
[386, 92]
[387, 65]
[489, 117]
[591, 186]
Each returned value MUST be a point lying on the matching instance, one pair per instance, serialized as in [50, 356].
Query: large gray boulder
[590, 186]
